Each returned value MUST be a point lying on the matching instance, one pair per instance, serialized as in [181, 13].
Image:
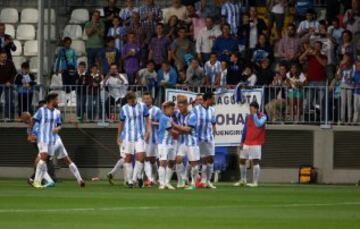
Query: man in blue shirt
[356, 83]
[225, 44]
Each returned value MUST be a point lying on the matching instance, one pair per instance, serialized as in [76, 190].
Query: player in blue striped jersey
[188, 143]
[151, 151]
[205, 130]
[166, 147]
[49, 142]
[133, 130]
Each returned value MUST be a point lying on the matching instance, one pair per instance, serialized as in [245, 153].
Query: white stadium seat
[52, 16]
[82, 59]
[10, 30]
[29, 15]
[79, 16]
[9, 15]
[52, 32]
[72, 31]
[25, 32]
[18, 60]
[79, 47]
[31, 48]
[18, 51]
[101, 10]
[34, 65]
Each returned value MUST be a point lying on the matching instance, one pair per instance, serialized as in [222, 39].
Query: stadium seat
[18, 60]
[79, 16]
[72, 31]
[82, 59]
[9, 15]
[31, 48]
[10, 30]
[52, 16]
[29, 15]
[52, 32]
[101, 10]
[18, 51]
[79, 47]
[25, 32]
[34, 65]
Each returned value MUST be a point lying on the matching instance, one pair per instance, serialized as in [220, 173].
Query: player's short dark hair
[254, 105]
[169, 104]
[50, 97]
[208, 95]
[131, 95]
[146, 93]
[41, 102]
[200, 94]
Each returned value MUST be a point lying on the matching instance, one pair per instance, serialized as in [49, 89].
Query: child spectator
[109, 55]
[212, 69]
[66, 56]
[131, 57]
[250, 76]
[118, 32]
[81, 90]
[93, 83]
[24, 86]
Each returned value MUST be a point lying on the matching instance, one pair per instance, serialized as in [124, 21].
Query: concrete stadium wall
[334, 152]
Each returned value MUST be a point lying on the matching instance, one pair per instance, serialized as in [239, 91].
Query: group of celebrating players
[161, 141]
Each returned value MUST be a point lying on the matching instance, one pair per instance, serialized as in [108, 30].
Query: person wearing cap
[253, 137]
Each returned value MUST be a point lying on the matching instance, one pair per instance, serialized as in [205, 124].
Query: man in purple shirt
[131, 57]
[159, 47]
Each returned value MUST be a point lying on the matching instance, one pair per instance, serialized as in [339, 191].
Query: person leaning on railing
[7, 75]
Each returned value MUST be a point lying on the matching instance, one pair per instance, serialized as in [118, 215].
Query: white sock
[194, 174]
[162, 175]
[75, 171]
[155, 170]
[41, 169]
[129, 172]
[204, 177]
[210, 171]
[119, 165]
[180, 170]
[48, 178]
[243, 171]
[140, 169]
[169, 174]
[148, 170]
[256, 173]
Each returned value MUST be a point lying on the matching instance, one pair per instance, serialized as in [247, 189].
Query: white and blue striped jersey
[188, 120]
[231, 12]
[212, 71]
[47, 120]
[164, 136]
[155, 114]
[205, 119]
[119, 31]
[133, 118]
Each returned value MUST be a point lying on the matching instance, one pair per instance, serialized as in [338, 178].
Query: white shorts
[133, 147]
[166, 152]
[206, 149]
[53, 150]
[191, 152]
[251, 152]
[151, 150]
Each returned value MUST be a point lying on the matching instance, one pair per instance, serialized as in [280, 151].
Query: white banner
[230, 116]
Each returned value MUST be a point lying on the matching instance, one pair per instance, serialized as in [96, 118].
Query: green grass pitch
[100, 205]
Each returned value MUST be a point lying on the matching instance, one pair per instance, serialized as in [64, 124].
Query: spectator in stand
[95, 30]
[309, 25]
[346, 45]
[68, 77]
[249, 75]
[110, 12]
[316, 72]
[225, 44]
[81, 90]
[231, 11]
[352, 19]
[335, 30]
[277, 15]
[194, 22]
[147, 77]
[345, 73]
[357, 51]
[265, 74]
[222, 80]
[334, 99]
[117, 85]
[66, 56]
[136, 27]
[205, 39]
[212, 70]
[131, 57]
[6, 41]
[176, 9]
[109, 55]
[150, 9]
[171, 29]
[195, 75]
[295, 80]
[234, 71]
[206, 9]
[127, 12]
[25, 82]
[167, 75]
[262, 50]
[356, 85]
[255, 27]
[118, 32]
[93, 83]
[7, 76]
[289, 45]
[159, 47]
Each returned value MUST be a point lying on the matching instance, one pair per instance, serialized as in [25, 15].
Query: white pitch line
[159, 207]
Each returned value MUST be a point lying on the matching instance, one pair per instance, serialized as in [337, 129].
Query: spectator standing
[6, 41]
[131, 57]
[176, 9]
[335, 30]
[147, 77]
[265, 74]
[7, 76]
[94, 105]
[66, 56]
[110, 11]
[212, 70]
[25, 82]
[352, 19]
[81, 90]
[95, 30]
[346, 45]
[206, 9]
[194, 22]
[310, 24]
[255, 27]
[109, 55]
[195, 74]
[356, 85]
[225, 44]
[171, 29]
[127, 12]
[277, 15]
[159, 47]
[68, 77]
[262, 50]
[181, 50]
[136, 28]
[289, 45]
[232, 13]
[118, 32]
[150, 9]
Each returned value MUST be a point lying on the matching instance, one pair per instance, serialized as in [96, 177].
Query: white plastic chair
[18, 51]
[79, 47]
[9, 15]
[79, 16]
[34, 65]
[18, 60]
[10, 30]
[101, 10]
[31, 48]
[52, 16]
[52, 32]
[25, 32]
[72, 31]
[29, 15]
